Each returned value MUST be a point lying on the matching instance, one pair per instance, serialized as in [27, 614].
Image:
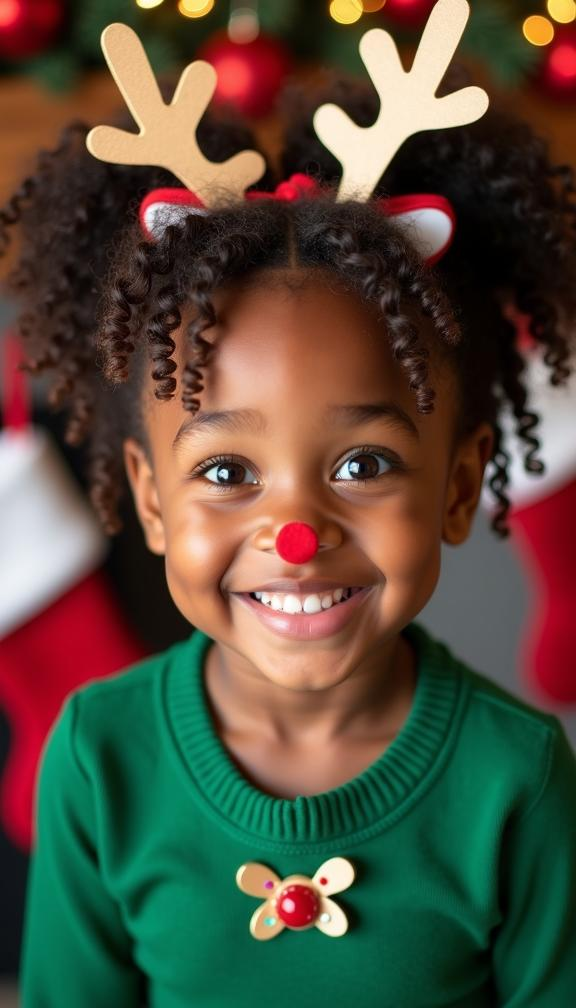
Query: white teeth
[309, 604]
[314, 604]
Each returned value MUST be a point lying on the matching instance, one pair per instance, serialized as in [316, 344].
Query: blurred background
[506, 607]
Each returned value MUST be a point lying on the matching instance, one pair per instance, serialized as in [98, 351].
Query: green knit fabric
[462, 834]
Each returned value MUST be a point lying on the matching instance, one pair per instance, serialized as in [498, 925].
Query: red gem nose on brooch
[298, 906]
[297, 542]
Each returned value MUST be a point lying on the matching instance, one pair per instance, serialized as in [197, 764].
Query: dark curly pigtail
[73, 216]
[515, 244]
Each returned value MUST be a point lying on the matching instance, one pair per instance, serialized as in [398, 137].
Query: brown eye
[365, 465]
[227, 472]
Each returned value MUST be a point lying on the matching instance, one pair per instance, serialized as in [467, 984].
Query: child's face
[291, 354]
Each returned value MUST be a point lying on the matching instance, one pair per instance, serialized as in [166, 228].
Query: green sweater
[462, 834]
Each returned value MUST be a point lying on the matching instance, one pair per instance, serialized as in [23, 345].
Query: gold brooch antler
[408, 102]
[167, 135]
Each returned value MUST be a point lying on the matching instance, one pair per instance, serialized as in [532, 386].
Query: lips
[302, 626]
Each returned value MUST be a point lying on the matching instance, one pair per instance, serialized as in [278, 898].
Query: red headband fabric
[161, 203]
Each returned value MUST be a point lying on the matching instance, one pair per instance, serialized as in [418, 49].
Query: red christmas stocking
[544, 532]
[541, 520]
[80, 636]
[59, 623]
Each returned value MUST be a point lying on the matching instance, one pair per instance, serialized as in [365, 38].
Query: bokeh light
[9, 13]
[538, 30]
[243, 25]
[563, 11]
[346, 11]
[195, 8]
[562, 63]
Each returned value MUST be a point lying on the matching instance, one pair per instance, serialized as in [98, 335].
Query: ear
[465, 483]
[143, 485]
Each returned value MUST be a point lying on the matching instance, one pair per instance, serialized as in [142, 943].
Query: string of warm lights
[188, 8]
[537, 28]
[550, 27]
[342, 11]
[521, 42]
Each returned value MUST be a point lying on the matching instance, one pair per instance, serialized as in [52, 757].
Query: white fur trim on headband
[162, 207]
[429, 221]
[158, 216]
[429, 230]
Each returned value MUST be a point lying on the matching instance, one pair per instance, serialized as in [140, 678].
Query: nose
[297, 542]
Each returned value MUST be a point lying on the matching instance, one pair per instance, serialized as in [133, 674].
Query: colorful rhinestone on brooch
[296, 902]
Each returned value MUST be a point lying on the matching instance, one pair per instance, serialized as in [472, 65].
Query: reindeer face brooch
[296, 902]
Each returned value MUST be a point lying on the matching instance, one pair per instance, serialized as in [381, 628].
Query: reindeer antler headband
[167, 136]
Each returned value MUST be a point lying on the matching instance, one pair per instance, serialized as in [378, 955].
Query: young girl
[310, 799]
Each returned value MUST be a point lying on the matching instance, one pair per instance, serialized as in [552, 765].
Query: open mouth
[315, 603]
[329, 619]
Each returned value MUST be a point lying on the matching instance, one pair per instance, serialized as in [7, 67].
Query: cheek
[405, 539]
[197, 552]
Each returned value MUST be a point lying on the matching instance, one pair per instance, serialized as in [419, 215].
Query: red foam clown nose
[297, 542]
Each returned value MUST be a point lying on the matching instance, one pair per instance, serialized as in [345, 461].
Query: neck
[372, 701]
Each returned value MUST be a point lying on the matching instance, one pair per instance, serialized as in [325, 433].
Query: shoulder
[534, 743]
[114, 712]
[495, 708]
[119, 686]
[487, 701]
[508, 741]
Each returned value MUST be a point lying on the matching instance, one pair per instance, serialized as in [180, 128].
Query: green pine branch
[494, 36]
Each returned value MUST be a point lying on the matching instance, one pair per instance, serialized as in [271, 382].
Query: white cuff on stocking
[49, 536]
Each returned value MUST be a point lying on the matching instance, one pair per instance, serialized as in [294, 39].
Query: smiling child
[304, 404]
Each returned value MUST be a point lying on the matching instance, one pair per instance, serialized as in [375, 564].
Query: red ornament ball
[250, 74]
[558, 70]
[297, 542]
[297, 906]
[28, 27]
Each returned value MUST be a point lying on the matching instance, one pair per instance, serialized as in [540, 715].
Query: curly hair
[100, 302]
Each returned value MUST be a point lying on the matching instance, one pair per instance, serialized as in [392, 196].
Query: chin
[313, 682]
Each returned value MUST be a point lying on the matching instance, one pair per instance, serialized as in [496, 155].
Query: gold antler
[167, 135]
[408, 102]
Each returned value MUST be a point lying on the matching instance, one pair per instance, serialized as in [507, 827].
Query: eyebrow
[352, 415]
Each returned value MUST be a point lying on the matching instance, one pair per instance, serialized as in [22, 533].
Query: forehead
[290, 341]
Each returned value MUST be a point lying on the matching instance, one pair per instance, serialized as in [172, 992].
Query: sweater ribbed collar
[350, 813]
